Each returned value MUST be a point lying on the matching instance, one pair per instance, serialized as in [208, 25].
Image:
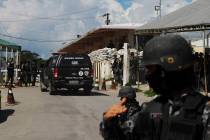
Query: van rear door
[75, 67]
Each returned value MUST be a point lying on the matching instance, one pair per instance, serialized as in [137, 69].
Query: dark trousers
[132, 77]
[10, 78]
[34, 80]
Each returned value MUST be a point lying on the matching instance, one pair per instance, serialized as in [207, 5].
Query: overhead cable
[23, 20]
[34, 40]
[56, 17]
[61, 15]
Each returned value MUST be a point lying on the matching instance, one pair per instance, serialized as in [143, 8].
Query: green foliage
[27, 55]
[149, 93]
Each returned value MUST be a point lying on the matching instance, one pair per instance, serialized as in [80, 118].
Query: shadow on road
[4, 114]
[79, 93]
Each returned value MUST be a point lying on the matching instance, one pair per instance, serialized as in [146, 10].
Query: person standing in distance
[10, 72]
[179, 112]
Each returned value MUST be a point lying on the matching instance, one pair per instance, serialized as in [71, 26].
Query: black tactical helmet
[127, 91]
[172, 52]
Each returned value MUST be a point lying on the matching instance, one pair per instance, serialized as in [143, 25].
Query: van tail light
[55, 73]
[91, 72]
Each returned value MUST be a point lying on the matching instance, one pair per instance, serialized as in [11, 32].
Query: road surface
[40, 116]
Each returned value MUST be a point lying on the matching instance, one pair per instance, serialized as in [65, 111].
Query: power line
[67, 14]
[52, 17]
[35, 40]
[22, 20]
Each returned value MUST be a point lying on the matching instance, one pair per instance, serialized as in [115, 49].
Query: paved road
[40, 116]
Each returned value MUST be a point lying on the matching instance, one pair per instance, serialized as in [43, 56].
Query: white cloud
[140, 11]
[171, 5]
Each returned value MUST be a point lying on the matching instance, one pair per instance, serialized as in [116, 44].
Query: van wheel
[52, 89]
[42, 87]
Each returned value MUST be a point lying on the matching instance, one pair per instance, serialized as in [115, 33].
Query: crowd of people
[28, 73]
[137, 70]
[26, 76]
[134, 68]
[199, 70]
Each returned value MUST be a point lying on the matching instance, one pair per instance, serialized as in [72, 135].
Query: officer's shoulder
[196, 100]
[156, 100]
[198, 96]
[154, 104]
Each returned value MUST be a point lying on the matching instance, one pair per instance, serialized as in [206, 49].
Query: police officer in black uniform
[115, 68]
[133, 68]
[125, 122]
[10, 72]
[34, 72]
[179, 112]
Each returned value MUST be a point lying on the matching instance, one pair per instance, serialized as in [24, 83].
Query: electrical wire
[44, 19]
[52, 17]
[67, 14]
[35, 40]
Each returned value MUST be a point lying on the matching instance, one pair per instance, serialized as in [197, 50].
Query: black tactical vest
[156, 123]
[127, 121]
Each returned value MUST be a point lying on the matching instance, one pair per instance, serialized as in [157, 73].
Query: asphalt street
[40, 116]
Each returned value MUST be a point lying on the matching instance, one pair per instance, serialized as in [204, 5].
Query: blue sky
[65, 19]
[125, 3]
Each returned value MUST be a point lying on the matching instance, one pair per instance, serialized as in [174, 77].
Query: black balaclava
[169, 83]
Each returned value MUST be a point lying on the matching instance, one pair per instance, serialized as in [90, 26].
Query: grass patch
[149, 93]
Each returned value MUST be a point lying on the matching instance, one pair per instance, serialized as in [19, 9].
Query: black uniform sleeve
[109, 130]
[206, 121]
[208, 132]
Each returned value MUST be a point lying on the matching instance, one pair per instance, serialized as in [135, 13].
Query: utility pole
[158, 9]
[107, 18]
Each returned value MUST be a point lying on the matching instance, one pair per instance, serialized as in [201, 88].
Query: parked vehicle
[70, 71]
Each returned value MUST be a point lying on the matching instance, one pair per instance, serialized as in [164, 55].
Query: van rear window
[74, 61]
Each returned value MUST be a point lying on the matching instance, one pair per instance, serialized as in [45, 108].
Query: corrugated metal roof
[9, 44]
[195, 14]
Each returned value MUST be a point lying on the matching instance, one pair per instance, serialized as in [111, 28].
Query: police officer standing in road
[28, 73]
[125, 122]
[10, 72]
[34, 72]
[179, 112]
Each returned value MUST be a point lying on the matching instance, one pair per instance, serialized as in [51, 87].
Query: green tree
[27, 55]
